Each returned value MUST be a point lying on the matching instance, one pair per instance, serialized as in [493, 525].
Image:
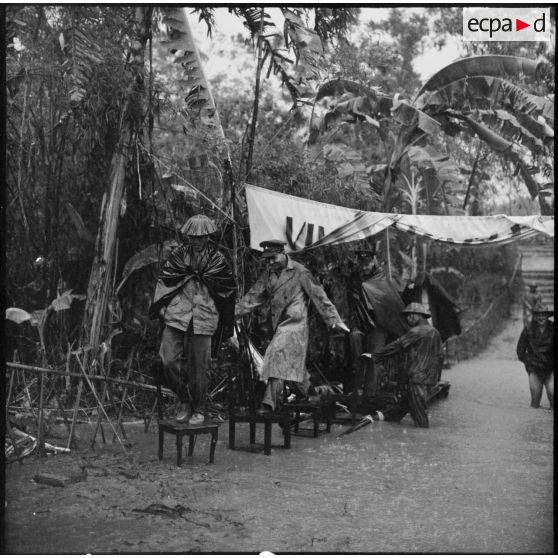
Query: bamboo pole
[119, 419]
[39, 370]
[40, 433]
[99, 417]
[94, 392]
[388, 254]
[76, 409]
[9, 430]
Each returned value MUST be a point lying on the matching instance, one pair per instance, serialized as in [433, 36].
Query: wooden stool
[180, 430]
[252, 419]
[321, 411]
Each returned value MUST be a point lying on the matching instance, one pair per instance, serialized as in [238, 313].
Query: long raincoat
[289, 294]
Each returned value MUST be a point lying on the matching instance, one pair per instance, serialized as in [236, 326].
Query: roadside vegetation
[115, 137]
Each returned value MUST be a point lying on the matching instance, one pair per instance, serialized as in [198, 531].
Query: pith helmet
[540, 308]
[416, 308]
[198, 225]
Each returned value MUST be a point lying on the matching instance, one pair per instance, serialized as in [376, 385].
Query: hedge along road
[480, 480]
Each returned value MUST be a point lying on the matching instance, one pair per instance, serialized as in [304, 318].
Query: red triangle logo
[519, 25]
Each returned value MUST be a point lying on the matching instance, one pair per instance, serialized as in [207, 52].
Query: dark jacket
[535, 347]
[375, 303]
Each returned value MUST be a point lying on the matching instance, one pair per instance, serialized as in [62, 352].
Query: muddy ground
[480, 480]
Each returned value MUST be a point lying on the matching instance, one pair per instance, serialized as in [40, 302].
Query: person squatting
[195, 300]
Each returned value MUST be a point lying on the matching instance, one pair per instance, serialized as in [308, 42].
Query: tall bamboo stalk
[20, 165]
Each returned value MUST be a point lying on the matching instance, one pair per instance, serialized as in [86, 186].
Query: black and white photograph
[278, 279]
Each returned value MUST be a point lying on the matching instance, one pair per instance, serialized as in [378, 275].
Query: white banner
[306, 224]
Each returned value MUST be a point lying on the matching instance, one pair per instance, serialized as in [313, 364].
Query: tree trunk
[256, 104]
[100, 279]
[102, 270]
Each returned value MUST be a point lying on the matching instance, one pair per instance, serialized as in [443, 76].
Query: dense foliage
[92, 86]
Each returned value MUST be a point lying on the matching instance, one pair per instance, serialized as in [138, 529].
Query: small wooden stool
[268, 419]
[322, 411]
[180, 430]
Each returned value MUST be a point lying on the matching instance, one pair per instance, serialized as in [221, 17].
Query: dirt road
[480, 480]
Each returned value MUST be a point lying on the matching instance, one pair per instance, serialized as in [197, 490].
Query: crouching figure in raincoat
[289, 286]
[423, 347]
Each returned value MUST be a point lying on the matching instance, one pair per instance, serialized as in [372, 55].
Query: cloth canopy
[306, 224]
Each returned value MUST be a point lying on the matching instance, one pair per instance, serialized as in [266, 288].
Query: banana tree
[474, 96]
[81, 53]
[197, 108]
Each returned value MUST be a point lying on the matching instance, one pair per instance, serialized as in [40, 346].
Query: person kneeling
[423, 347]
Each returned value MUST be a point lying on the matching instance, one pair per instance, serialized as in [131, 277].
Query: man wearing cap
[194, 297]
[532, 298]
[422, 346]
[289, 287]
[374, 316]
[535, 349]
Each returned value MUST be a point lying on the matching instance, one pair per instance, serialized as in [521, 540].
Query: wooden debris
[59, 480]
[48, 447]
[51, 480]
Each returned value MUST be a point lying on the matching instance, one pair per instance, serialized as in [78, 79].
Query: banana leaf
[482, 92]
[201, 110]
[484, 65]
[17, 315]
[150, 255]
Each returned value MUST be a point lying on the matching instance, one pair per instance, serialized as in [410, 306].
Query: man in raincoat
[535, 349]
[194, 295]
[289, 287]
[374, 316]
[422, 346]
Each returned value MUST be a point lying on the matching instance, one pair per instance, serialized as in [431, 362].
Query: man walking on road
[535, 349]
[422, 346]
[289, 287]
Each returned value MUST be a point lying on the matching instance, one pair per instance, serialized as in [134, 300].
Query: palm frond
[82, 55]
